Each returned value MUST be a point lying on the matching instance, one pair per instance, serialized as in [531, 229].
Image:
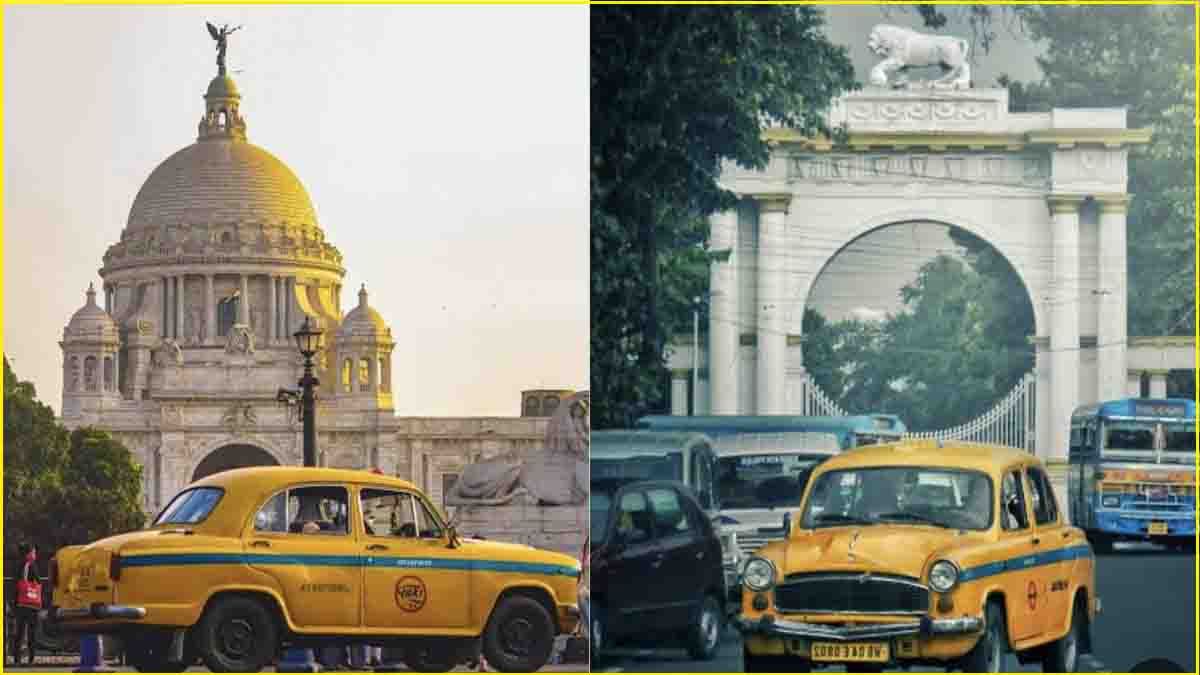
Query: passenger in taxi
[978, 509]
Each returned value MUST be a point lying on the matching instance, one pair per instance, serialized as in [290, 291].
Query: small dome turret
[364, 321]
[90, 322]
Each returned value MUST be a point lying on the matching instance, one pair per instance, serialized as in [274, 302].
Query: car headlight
[758, 574]
[943, 576]
[1111, 502]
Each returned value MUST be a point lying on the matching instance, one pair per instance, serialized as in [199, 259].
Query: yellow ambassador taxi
[246, 561]
[920, 553]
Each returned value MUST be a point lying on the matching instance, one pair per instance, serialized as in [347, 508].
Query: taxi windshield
[764, 481]
[190, 506]
[940, 497]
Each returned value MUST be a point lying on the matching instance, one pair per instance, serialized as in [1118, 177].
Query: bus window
[1129, 436]
[1181, 438]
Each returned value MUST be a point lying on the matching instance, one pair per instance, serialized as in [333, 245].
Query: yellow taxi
[246, 561]
[922, 553]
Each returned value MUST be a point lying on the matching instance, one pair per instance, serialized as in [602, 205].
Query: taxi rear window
[190, 506]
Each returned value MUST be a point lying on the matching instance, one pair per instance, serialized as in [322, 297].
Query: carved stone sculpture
[238, 415]
[167, 353]
[240, 340]
[902, 48]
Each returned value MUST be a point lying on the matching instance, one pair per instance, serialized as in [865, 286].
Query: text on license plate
[850, 651]
[1158, 528]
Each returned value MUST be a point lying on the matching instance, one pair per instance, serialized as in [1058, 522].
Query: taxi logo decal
[410, 594]
[1031, 595]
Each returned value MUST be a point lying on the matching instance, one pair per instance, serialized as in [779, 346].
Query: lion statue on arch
[902, 48]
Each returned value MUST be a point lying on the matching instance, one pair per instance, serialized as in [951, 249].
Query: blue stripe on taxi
[344, 561]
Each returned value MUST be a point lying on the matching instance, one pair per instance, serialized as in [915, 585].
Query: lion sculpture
[901, 48]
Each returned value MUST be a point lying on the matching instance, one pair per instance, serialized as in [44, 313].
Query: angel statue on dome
[221, 35]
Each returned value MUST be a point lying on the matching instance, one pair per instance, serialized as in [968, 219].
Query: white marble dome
[90, 322]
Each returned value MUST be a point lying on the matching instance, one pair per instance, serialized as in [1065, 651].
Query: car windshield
[190, 506]
[764, 481]
[601, 502]
[952, 498]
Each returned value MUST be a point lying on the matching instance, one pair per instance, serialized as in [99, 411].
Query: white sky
[445, 150]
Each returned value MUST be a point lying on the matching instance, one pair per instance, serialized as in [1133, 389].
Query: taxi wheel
[705, 634]
[520, 635]
[989, 654]
[1063, 654]
[237, 634]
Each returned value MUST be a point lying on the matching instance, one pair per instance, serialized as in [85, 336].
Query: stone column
[1133, 383]
[771, 366]
[167, 323]
[1113, 298]
[679, 392]
[210, 311]
[179, 309]
[1158, 383]
[273, 320]
[723, 314]
[1064, 333]
[1044, 427]
[244, 304]
[288, 290]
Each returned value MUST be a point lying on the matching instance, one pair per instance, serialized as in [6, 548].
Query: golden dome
[221, 181]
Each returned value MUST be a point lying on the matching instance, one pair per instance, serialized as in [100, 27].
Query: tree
[63, 488]
[676, 91]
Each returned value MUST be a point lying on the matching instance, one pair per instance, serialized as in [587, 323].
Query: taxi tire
[254, 614]
[1062, 655]
[539, 623]
[701, 645]
[992, 644]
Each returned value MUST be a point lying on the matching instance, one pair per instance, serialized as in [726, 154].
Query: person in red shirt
[26, 617]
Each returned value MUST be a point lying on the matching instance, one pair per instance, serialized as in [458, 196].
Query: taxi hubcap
[517, 636]
[237, 638]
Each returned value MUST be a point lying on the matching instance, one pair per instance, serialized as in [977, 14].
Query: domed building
[220, 262]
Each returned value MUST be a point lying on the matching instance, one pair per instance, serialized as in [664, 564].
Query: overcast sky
[444, 149]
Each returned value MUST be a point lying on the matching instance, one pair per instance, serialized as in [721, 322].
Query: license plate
[1158, 528]
[850, 651]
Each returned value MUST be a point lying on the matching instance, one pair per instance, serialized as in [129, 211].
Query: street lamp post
[308, 341]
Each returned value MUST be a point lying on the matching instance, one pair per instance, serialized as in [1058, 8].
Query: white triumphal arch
[1047, 190]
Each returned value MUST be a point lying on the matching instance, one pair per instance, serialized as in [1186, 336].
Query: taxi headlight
[758, 574]
[943, 576]
[1110, 502]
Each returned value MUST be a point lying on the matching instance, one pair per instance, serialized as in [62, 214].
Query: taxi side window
[1012, 501]
[634, 524]
[670, 518]
[317, 509]
[1045, 509]
[391, 513]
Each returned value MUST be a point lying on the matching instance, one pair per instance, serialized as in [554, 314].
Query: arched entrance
[1049, 198]
[232, 456]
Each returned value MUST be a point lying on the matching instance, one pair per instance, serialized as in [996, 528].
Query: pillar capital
[1064, 203]
[1114, 203]
[680, 373]
[1040, 343]
[772, 202]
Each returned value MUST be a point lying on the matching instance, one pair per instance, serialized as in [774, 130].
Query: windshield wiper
[843, 519]
[908, 515]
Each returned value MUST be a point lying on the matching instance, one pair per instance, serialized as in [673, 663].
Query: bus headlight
[759, 574]
[943, 576]
[1111, 502]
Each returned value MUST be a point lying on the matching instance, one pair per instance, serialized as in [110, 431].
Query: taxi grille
[852, 592]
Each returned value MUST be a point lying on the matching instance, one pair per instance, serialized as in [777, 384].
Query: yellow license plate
[1158, 528]
[850, 651]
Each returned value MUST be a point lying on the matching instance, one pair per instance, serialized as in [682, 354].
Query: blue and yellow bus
[1132, 473]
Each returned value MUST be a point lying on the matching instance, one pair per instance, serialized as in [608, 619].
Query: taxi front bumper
[769, 626]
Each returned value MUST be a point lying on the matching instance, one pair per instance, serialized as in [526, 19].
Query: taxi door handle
[1066, 535]
[376, 547]
[658, 561]
[261, 543]
[1037, 540]
[700, 555]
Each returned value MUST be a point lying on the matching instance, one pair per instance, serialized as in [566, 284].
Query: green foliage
[957, 347]
[676, 91]
[62, 488]
[1142, 57]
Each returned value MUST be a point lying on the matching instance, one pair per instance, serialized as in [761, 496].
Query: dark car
[656, 568]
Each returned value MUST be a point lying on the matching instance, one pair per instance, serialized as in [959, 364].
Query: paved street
[573, 668]
[1147, 595]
